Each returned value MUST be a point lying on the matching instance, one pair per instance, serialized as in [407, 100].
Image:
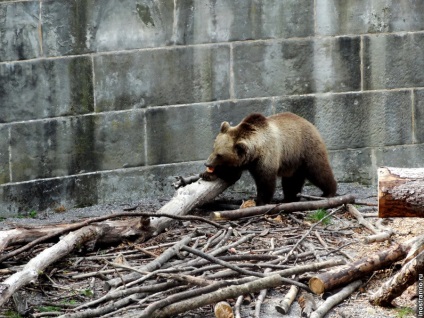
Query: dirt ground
[44, 291]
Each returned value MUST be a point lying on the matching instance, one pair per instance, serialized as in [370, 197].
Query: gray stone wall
[106, 101]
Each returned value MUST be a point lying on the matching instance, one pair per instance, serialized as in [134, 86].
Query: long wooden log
[397, 284]
[363, 267]
[400, 192]
[283, 207]
[37, 265]
[186, 199]
[332, 301]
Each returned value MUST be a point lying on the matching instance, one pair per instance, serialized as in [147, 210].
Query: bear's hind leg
[322, 177]
[293, 185]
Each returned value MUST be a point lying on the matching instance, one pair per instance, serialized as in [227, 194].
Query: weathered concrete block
[83, 26]
[304, 106]
[418, 124]
[119, 140]
[296, 67]
[204, 21]
[356, 120]
[352, 165]
[408, 156]
[162, 77]
[19, 25]
[108, 187]
[74, 145]
[4, 154]
[186, 133]
[392, 61]
[46, 88]
[39, 195]
[362, 16]
[53, 148]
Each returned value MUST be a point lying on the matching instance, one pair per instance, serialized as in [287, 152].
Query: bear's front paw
[207, 176]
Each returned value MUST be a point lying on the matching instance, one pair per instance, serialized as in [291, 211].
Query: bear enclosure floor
[76, 284]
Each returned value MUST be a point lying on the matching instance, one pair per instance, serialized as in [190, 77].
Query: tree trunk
[363, 267]
[187, 198]
[400, 192]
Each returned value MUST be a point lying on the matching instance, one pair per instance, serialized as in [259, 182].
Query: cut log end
[400, 192]
[316, 285]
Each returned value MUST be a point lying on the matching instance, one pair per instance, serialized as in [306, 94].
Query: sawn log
[400, 192]
[365, 266]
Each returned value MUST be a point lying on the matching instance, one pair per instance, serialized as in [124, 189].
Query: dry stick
[222, 249]
[148, 311]
[155, 264]
[237, 269]
[384, 235]
[308, 232]
[221, 294]
[332, 301]
[300, 269]
[261, 298]
[286, 207]
[126, 292]
[188, 279]
[323, 243]
[237, 306]
[378, 236]
[288, 272]
[105, 309]
[354, 211]
[37, 264]
[212, 239]
[225, 238]
[216, 260]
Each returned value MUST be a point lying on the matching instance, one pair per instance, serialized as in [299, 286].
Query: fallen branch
[149, 310]
[219, 295]
[283, 207]
[361, 220]
[397, 284]
[332, 301]
[237, 311]
[37, 265]
[119, 230]
[155, 264]
[261, 298]
[186, 199]
[365, 266]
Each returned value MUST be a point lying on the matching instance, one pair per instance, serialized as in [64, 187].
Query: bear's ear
[241, 148]
[225, 126]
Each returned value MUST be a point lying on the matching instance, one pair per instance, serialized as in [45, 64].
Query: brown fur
[283, 145]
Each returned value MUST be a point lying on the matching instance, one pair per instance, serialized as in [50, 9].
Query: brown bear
[283, 145]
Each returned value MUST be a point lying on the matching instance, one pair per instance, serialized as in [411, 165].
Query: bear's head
[235, 146]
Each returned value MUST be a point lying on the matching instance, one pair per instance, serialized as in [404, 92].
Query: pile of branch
[255, 249]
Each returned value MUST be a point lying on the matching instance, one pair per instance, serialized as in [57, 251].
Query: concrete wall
[106, 100]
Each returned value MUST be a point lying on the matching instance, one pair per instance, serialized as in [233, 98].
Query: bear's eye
[218, 156]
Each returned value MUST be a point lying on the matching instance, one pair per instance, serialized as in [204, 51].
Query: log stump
[400, 192]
